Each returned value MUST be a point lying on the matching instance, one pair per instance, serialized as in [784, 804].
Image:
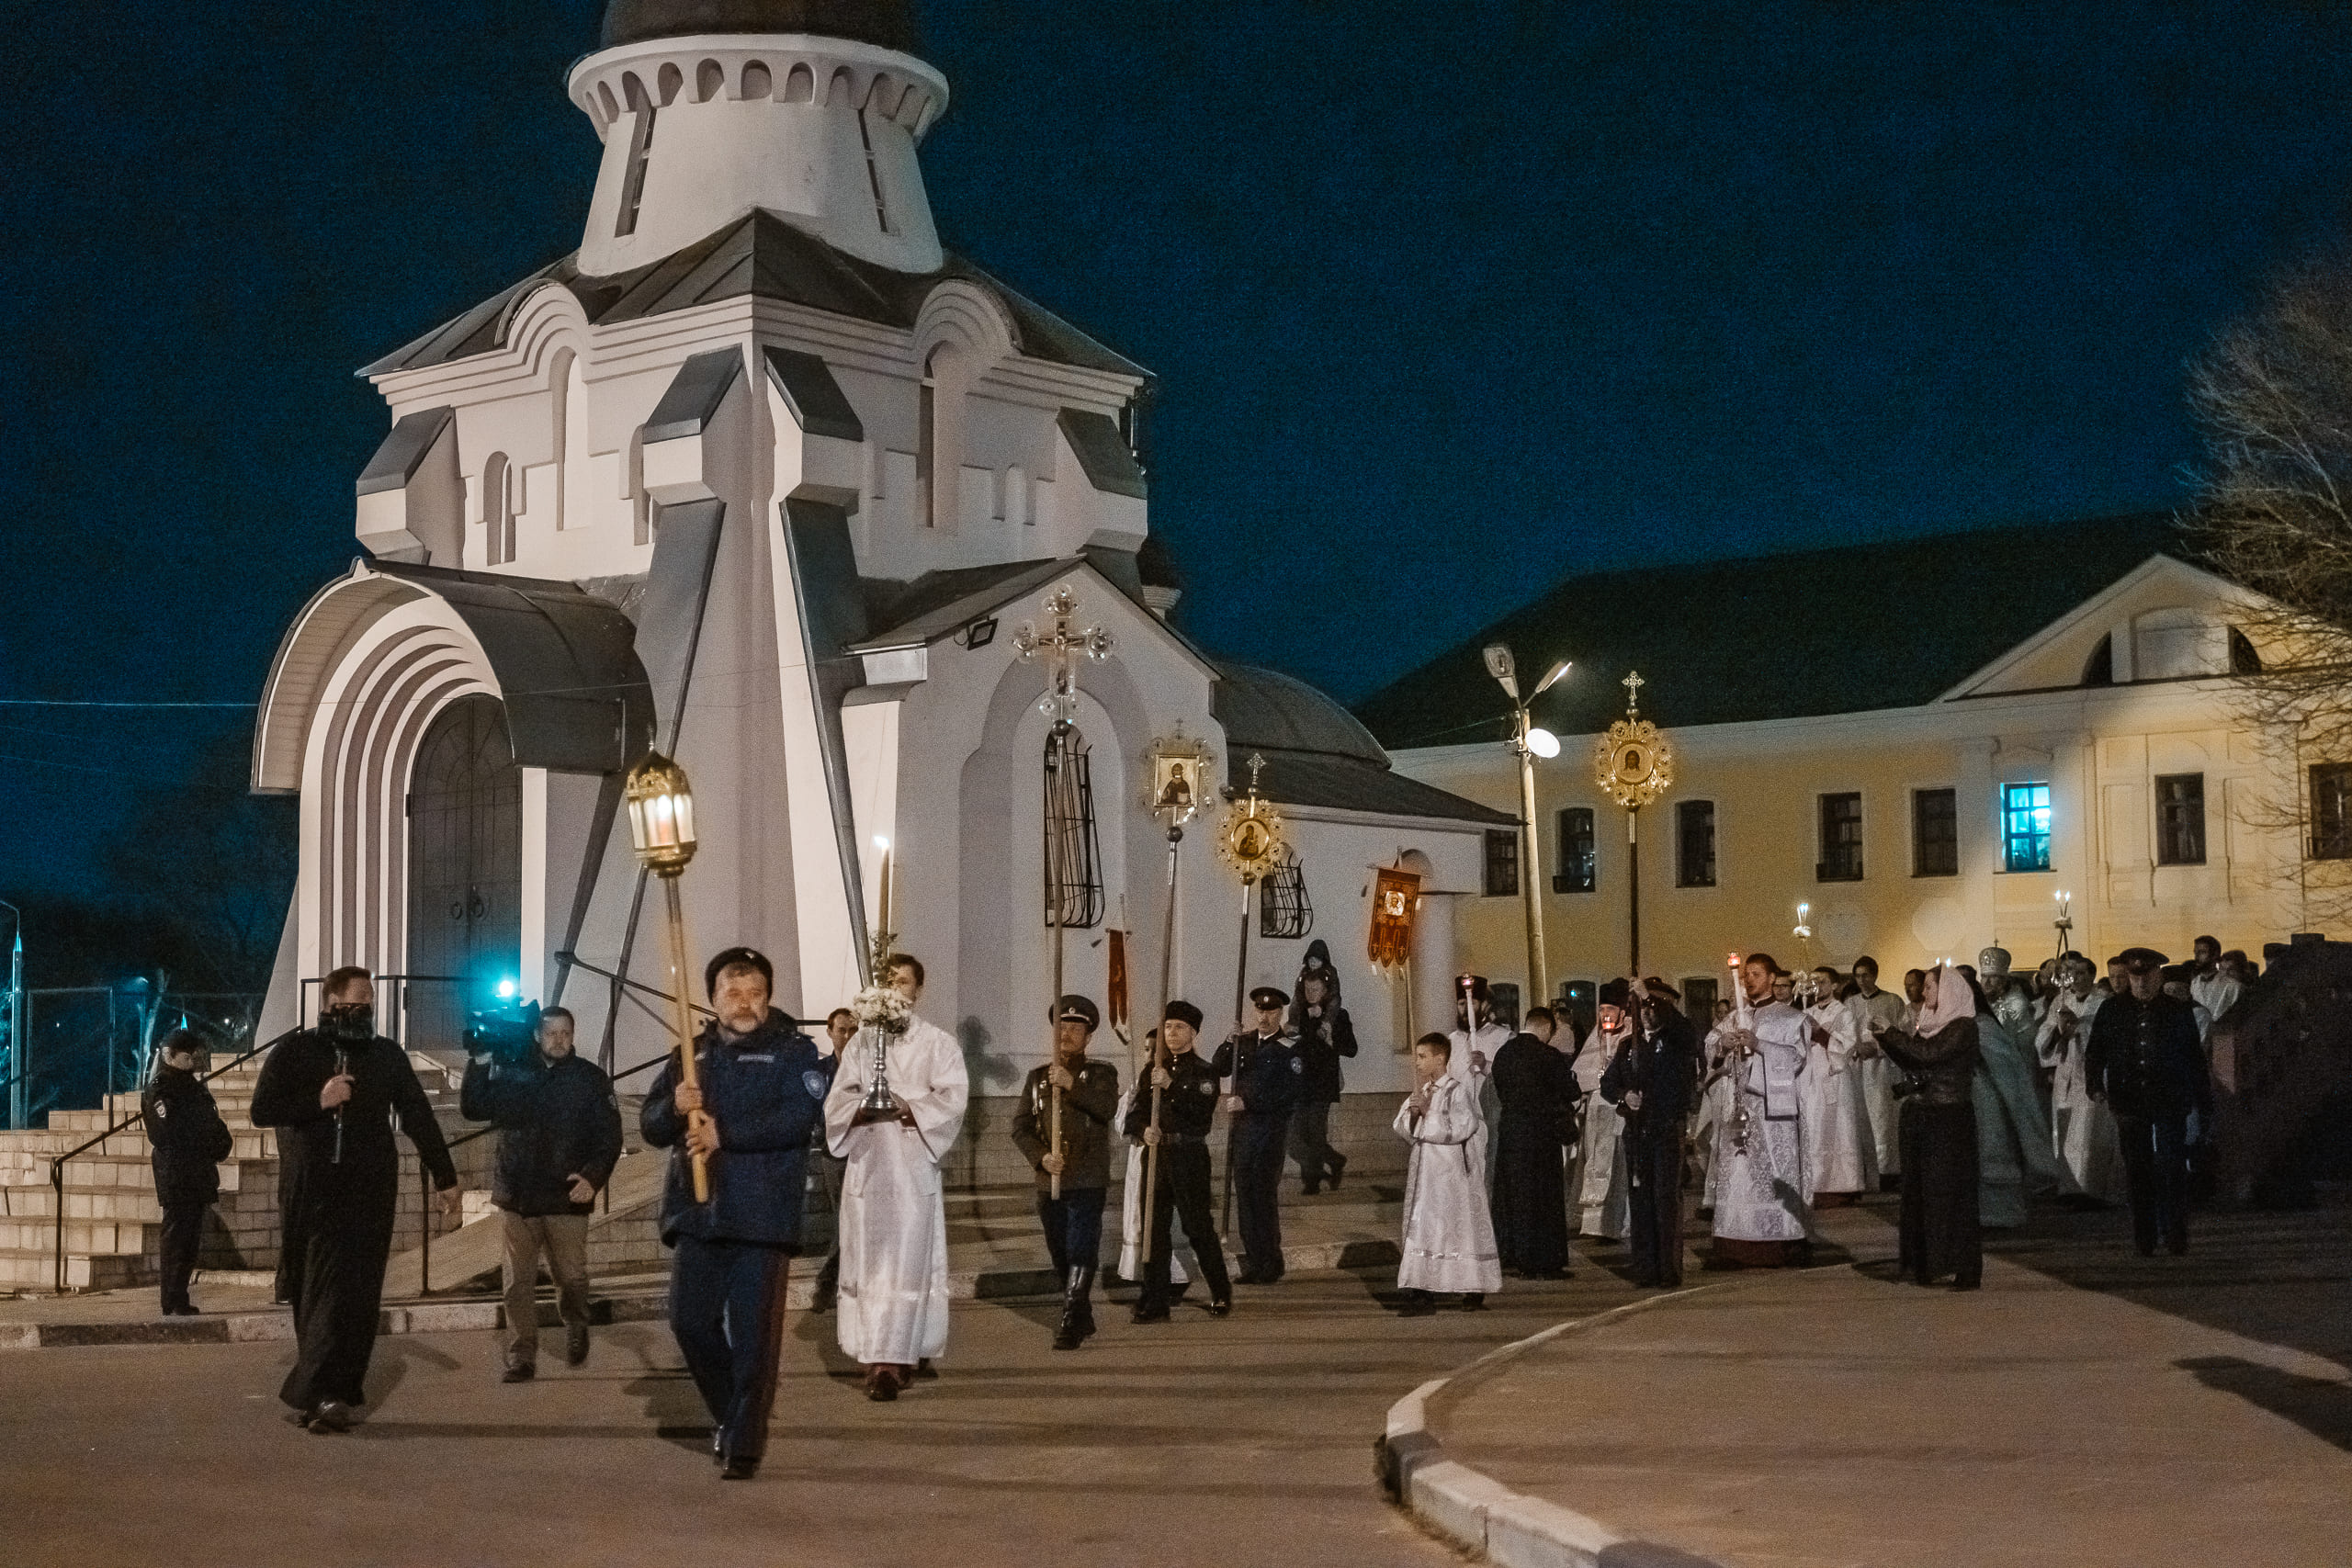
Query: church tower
[712, 109]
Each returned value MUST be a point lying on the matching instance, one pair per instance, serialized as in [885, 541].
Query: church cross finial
[1256, 764]
[1632, 684]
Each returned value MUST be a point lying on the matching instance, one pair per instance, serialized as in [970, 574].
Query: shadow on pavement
[2320, 1407]
[1650, 1554]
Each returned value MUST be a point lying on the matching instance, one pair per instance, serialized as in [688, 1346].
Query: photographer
[559, 1134]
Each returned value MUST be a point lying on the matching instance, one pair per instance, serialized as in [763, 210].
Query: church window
[2332, 811]
[641, 151]
[710, 80]
[873, 175]
[2025, 826]
[2243, 659]
[1935, 832]
[1284, 909]
[497, 510]
[2181, 819]
[1503, 862]
[1073, 848]
[1694, 843]
[759, 82]
[1579, 868]
[1841, 838]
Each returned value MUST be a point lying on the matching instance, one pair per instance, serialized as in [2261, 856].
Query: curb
[488, 1312]
[1482, 1516]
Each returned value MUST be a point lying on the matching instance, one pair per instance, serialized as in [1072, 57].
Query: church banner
[1395, 896]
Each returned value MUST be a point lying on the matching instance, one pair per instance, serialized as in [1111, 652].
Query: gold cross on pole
[1061, 645]
[1632, 684]
[1256, 765]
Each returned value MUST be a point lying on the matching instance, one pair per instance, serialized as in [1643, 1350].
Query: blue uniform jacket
[1271, 1078]
[766, 1091]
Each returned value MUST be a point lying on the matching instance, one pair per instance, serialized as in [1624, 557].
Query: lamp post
[662, 826]
[18, 1083]
[1528, 742]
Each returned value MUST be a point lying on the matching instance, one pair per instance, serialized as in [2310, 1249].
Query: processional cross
[1061, 645]
[1633, 682]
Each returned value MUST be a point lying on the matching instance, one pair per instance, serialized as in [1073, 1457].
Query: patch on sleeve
[814, 1082]
[1298, 1064]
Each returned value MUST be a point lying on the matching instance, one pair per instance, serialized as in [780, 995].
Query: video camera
[505, 1036]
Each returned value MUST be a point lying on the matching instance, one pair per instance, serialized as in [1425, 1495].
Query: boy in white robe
[1840, 1153]
[2081, 1128]
[1449, 1235]
[893, 1292]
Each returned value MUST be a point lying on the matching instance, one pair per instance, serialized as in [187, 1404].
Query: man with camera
[332, 1093]
[558, 1137]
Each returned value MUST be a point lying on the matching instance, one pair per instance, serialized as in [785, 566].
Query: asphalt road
[1240, 1442]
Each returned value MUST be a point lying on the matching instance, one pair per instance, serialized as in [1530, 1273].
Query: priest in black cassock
[332, 1093]
[1538, 1090]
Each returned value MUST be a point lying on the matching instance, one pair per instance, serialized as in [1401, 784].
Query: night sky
[1449, 300]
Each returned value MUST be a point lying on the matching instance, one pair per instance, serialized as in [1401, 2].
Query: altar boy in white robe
[1840, 1155]
[1449, 1234]
[893, 1293]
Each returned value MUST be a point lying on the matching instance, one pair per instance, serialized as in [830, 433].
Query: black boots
[1078, 1309]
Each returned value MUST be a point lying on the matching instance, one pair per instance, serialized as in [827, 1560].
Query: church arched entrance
[465, 868]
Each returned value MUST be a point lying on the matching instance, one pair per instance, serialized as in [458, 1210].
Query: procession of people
[1972, 1093]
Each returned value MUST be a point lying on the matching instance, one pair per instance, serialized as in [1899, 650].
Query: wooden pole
[682, 1019]
[1058, 754]
[1634, 885]
[1160, 1038]
[1241, 1032]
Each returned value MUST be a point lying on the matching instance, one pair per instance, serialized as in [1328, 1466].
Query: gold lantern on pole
[661, 828]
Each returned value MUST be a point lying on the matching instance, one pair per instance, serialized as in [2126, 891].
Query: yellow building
[1927, 742]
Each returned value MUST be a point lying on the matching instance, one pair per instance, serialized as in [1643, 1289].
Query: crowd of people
[1972, 1091]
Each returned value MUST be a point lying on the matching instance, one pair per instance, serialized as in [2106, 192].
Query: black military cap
[2140, 959]
[1077, 1008]
[1658, 987]
[1269, 997]
[1617, 994]
[1184, 1013]
[729, 959]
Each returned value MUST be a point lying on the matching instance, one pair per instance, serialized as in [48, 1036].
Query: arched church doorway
[465, 868]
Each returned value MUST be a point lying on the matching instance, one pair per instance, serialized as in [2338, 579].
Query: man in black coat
[332, 1093]
[1187, 1102]
[1324, 1034]
[189, 1141]
[559, 1135]
[2145, 1061]
[1653, 1080]
[761, 1094]
[1268, 1078]
[1538, 1090]
[1072, 1217]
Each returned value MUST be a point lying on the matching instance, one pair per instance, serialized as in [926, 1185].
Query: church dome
[1261, 708]
[889, 23]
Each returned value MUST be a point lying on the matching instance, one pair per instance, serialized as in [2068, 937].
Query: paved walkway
[2087, 1407]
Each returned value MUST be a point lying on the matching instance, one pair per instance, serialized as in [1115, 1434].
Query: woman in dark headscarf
[1324, 1034]
[1942, 1234]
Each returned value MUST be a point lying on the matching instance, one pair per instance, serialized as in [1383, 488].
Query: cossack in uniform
[1269, 1077]
[1187, 1112]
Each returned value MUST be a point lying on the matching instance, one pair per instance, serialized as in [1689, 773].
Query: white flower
[882, 1007]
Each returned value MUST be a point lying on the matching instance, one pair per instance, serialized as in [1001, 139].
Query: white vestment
[1760, 1190]
[1878, 1075]
[1714, 1104]
[893, 1297]
[2082, 1130]
[1131, 1216]
[2217, 994]
[1839, 1153]
[2013, 1158]
[1477, 1079]
[1449, 1234]
[1603, 1190]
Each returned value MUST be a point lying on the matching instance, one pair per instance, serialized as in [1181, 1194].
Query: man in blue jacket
[762, 1091]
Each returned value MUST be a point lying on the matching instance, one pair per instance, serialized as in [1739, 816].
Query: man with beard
[759, 1094]
[333, 1092]
[1761, 1217]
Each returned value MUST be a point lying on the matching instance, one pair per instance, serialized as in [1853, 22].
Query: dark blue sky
[1450, 300]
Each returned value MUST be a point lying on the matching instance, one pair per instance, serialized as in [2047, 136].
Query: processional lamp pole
[1635, 765]
[1251, 841]
[1179, 777]
[661, 828]
[1529, 742]
[1061, 645]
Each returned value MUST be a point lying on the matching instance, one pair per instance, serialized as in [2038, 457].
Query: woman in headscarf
[1325, 1034]
[1940, 1235]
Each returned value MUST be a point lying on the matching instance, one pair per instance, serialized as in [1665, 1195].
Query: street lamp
[19, 1084]
[1529, 742]
[661, 828]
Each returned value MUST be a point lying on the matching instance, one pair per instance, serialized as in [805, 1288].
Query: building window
[2332, 811]
[2025, 826]
[1698, 1000]
[1074, 853]
[1841, 838]
[1580, 865]
[640, 151]
[1579, 1008]
[1502, 862]
[1935, 832]
[2181, 819]
[1694, 843]
[1502, 1003]
[497, 510]
[1283, 908]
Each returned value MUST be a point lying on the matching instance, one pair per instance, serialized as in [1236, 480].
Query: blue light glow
[505, 989]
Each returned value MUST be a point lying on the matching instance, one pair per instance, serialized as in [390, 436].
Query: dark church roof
[762, 255]
[889, 23]
[1891, 624]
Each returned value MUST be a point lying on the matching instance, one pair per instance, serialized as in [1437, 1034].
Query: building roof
[762, 255]
[889, 23]
[1891, 624]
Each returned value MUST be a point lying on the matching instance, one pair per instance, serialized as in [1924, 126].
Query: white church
[765, 478]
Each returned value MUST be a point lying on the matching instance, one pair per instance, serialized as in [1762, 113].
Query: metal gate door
[464, 869]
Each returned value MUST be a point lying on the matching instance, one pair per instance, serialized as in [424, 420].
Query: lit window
[1579, 867]
[2180, 819]
[1694, 843]
[1841, 838]
[2025, 826]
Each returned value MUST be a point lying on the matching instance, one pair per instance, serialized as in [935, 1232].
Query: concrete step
[107, 1171]
[37, 1270]
[96, 1236]
[247, 1142]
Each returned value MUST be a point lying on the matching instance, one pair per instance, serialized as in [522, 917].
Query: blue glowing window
[2025, 826]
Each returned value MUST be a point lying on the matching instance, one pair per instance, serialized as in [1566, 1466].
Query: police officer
[1072, 1221]
[1187, 1107]
[1269, 1077]
[189, 1141]
[762, 1091]
[2145, 1061]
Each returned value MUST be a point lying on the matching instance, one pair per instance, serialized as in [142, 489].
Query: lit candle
[884, 845]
